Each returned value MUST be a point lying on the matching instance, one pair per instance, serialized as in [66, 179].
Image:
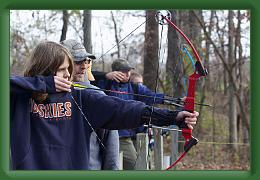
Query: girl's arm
[22, 85]
[41, 84]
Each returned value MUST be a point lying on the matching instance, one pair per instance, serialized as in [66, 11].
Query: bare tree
[240, 74]
[151, 61]
[231, 88]
[116, 34]
[231, 77]
[196, 37]
[174, 64]
[87, 30]
[65, 19]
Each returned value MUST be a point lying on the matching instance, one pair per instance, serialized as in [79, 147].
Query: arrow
[167, 100]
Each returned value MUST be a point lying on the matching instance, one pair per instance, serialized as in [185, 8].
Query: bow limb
[189, 102]
[199, 67]
[184, 36]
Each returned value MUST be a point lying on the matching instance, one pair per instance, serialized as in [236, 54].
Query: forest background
[222, 38]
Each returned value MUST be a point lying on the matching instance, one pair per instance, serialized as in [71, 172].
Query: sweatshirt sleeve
[44, 84]
[160, 117]
[110, 112]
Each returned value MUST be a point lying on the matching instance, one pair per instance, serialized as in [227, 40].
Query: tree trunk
[174, 63]
[231, 88]
[240, 75]
[87, 30]
[151, 61]
[64, 30]
[116, 34]
[196, 35]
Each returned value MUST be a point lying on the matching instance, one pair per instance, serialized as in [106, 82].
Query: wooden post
[166, 161]
[158, 149]
[121, 160]
[142, 151]
[174, 144]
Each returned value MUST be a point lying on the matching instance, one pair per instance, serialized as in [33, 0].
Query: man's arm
[99, 76]
[111, 154]
[103, 76]
[115, 76]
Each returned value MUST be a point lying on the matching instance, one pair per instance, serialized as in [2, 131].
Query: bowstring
[158, 71]
[93, 130]
[82, 113]
[157, 74]
[175, 69]
[154, 98]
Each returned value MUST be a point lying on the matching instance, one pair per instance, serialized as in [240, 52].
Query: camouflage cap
[77, 50]
[121, 65]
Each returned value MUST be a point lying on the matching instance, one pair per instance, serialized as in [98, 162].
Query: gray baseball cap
[77, 50]
[121, 65]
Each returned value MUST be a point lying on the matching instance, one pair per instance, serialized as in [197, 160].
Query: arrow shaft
[163, 128]
[171, 100]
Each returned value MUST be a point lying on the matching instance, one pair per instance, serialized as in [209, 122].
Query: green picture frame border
[7, 5]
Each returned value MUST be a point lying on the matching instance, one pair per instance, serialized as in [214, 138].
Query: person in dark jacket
[100, 158]
[119, 81]
[51, 122]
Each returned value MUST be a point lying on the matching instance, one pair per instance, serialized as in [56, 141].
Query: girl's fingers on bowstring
[62, 84]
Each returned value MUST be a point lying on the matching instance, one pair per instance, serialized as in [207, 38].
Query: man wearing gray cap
[100, 158]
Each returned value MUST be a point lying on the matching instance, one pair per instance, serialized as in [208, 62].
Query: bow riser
[189, 100]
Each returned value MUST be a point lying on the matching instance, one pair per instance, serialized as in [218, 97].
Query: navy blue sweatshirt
[54, 134]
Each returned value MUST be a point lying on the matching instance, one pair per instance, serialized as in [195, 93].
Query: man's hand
[116, 76]
[189, 118]
[62, 84]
